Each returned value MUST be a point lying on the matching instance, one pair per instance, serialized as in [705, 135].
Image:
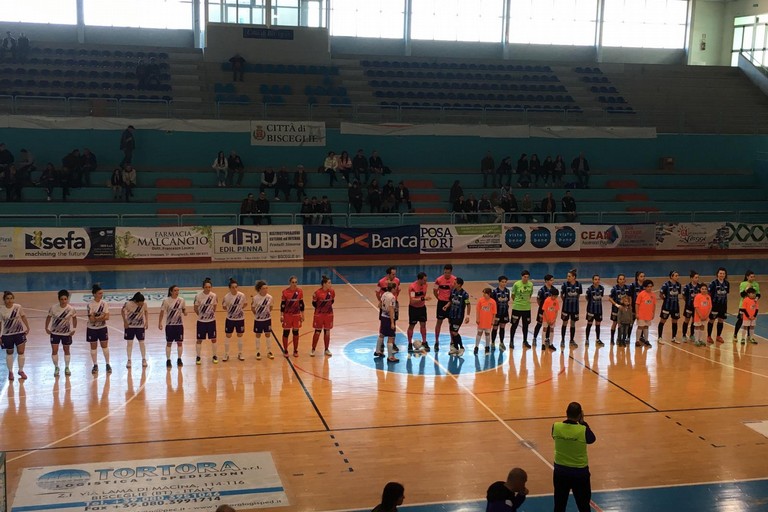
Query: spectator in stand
[524, 178]
[115, 181]
[129, 181]
[127, 145]
[374, 196]
[580, 167]
[6, 157]
[262, 208]
[317, 210]
[300, 182]
[268, 179]
[345, 166]
[23, 47]
[526, 206]
[402, 195]
[485, 208]
[220, 166]
[306, 211]
[375, 163]
[88, 164]
[238, 67]
[549, 207]
[70, 171]
[507, 496]
[330, 165]
[11, 184]
[471, 208]
[568, 206]
[235, 166]
[388, 189]
[360, 165]
[389, 204]
[248, 207]
[504, 169]
[9, 44]
[48, 179]
[25, 167]
[63, 177]
[534, 167]
[546, 170]
[487, 168]
[391, 498]
[460, 210]
[326, 209]
[355, 197]
[522, 164]
[558, 171]
[456, 192]
[283, 184]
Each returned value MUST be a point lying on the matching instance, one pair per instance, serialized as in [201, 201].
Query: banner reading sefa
[287, 133]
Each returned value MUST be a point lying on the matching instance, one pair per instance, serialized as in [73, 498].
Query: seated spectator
[71, 163]
[549, 207]
[524, 179]
[317, 210]
[11, 184]
[507, 496]
[391, 498]
[374, 196]
[300, 181]
[388, 189]
[220, 166]
[129, 181]
[547, 170]
[283, 184]
[522, 163]
[88, 164]
[360, 165]
[355, 194]
[456, 192]
[403, 196]
[306, 211]
[235, 166]
[504, 169]
[526, 206]
[460, 209]
[471, 208]
[485, 208]
[326, 210]
[376, 164]
[580, 168]
[268, 179]
[6, 157]
[534, 168]
[115, 181]
[345, 166]
[262, 208]
[558, 171]
[248, 207]
[48, 179]
[25, 167]
[487, 168]
[330, 165]
[238, 67]
[388, 203]
[568, 206]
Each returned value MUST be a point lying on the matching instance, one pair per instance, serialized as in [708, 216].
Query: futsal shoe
[396, 349]
[270, 355]
[144, 363]
[95, 369]
[552, 347]
[377, 354]
[526, 344]
[753, 341]
[502, 346]
[735, 338]
[258, 356]
[327, 353]
[10, 375]
[710, 340]
[223, 359]
[109, 368]
[674, 340]
[573, 344]
[179, 362]
[312, 353]
[295, 353]
[437, 346]
[426, 346]
[599, 343]
[487, 350]
[128, 364]
[215, 359]
[410, 348]
[720, 339]
[168, 363]
[743, 341]
[56, 372]
[198, 361]
[476, 350]
[240, 357]
[67, 371]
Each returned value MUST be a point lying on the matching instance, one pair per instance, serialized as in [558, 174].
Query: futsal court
[678, 427]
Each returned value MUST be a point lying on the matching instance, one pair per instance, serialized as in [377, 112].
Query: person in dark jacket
[88, 164]
[507, 496]
[355, 194]
[235, 166]
[283, 184]
[580, 168]
[262, 205]
[248, 207]
[360, 166]
[127, 145]
[402, 195]
[391, 498]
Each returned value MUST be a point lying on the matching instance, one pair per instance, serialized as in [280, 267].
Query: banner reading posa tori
[287, 133]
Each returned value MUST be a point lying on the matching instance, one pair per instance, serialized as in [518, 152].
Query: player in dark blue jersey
[618, 292]
[670, 305]
[570, 292]
[689, 294]
[594, 295]
[501, 295]
[718, 290]
[544, 292]
[634, 289]
[458, 313]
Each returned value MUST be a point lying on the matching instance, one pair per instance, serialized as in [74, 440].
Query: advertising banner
[182, 484]
[6, 243]
[331, 241]
[691, 235]
[240, 243]
[165, 242]
[287, 133]
[618, 236]
[63, 243]
[741, 235]
[541, 237]
[462, 238]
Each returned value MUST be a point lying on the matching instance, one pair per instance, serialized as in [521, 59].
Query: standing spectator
[9, 44]
[571, 471]
[326, 210]
[283, 184]
[127, 145]
[63, 179]
[220, 166]
[580, 168]
[300, 181]
[471, 208]
[568, 206]
[534, 167]
[547, 170]
[374, 196]
[6, 157]
[48, 179]
[330, 165]
[71, 162]
[526, 206]
[355, 196]
[115, 181]
[11, 184]
[345, 166]
[456, 192]
[402, 195]
[306, 211]
[485, 208]
[549, 207]
[262, 208]
[360, 165]
[88, 164]
[25, 167]
[504, 169]
[487, 168]
[23, 47]
[238, 67]
[316, 209]
[248, 207]
[375, 163]
[558, 171]
[268, 179]
[129, 181]
[507, 496]
[235, 166]
[392, 496]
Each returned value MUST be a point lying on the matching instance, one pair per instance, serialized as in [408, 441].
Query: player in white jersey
[261, 305]
[135, 320]
[96, 332]
[173, 308]
[14, 333]
[233, 303]
[205, 308]
[60, 324]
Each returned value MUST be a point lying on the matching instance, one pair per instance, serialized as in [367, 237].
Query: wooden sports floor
[340, 427]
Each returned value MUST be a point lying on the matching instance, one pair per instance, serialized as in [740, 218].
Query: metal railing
[85, 107]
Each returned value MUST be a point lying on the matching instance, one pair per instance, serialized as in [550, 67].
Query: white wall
[708, 18]
[310, 45]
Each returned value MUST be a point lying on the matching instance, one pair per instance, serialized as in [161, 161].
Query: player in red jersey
[292, 314]
[417, 311]
[442, 292]
[322, 301]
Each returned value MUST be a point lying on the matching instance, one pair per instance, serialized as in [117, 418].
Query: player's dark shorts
[134, 332]
[501, 318]
[614, 313]
[386, 329]
[416, 314]
[455, 325]
[260, 326]
[231, 326]
[675, 314]
[13, 340]
[718, 311]
[540, 315]
[174, 333]
[688, 311]
[64, 340]
[518, 314]
[594, 317]
[94, 335]
[206, 330]
[440, 313]
[569, 316]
